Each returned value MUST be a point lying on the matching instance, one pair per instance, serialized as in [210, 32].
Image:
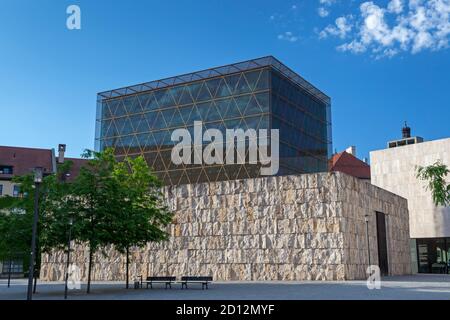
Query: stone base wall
[305, 227]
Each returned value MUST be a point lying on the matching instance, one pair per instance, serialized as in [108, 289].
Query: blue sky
[380, 63]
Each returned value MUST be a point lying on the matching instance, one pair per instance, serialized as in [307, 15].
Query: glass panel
[204, 94]
[195, 89]
[263, 101]
[222, 107]
[233, 124]
[223, 90]
[242, 103]
[177, 120]
[120, 111]
[252, 122]
[143, 100]
[232, 82]
[203, 110]
[185, 112]
[264, 123]
[233, 110]
[164, 98]
[159, 122]
[213, 114]
[151, 142]
[252, 78]
[132, 105]
[105, 128]
[194, 116]
[110, 108]
[263, 82]
[185, 97]
[134, 120]
[252, 107]
[142, 124]
[176, 93]
[168, 115]
[213, 85]
[242, 86]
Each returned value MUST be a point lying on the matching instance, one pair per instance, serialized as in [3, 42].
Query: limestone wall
[396, 169]
[306, 227]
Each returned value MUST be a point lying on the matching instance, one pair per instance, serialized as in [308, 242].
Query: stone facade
[396, 169]
[304, 227]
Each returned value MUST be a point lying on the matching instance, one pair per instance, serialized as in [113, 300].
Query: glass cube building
[259, 94]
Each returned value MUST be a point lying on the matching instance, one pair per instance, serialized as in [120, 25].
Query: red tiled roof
[349, 164]
[77, 163]
[23, 160]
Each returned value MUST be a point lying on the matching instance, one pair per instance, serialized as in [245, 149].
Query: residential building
[19, 161]
[395, 169]
[348, 163]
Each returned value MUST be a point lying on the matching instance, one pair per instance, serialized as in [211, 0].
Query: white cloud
[341, 28]
[323, 12]
[400, 26]
[327, 2]
[395, 6]
[288, 36]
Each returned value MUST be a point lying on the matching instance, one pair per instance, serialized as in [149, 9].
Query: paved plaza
[416, 287]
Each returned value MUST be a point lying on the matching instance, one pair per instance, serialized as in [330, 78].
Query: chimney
[351, 150]
[406, 132]
[61, 151]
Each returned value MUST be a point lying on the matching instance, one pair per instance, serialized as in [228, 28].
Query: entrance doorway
[382, 244]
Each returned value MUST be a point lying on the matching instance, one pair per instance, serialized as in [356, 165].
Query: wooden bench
[203, 280]
[151, 280]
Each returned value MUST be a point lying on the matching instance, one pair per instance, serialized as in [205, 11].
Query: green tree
[143, 215]
[15, 231]
[56, 209]
[16, 216]
[435, 175]
[94, 202]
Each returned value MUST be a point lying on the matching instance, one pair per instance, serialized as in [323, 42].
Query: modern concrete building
[395, 170]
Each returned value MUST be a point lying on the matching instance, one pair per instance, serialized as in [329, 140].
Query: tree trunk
[35, 280]
[89, 271]
[128, 262]
[9, 272]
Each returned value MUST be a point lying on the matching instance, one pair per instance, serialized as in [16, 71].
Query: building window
[433, 255]
[16, 191]
[16, 266]
[6, 170]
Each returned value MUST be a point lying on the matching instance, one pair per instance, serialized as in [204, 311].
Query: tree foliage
[114, 203]
[109, 202]
[435, 176]
[143, 214]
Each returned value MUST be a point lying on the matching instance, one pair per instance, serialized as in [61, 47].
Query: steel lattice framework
[258, 94]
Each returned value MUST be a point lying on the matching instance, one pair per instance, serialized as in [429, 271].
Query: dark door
[382, 244]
